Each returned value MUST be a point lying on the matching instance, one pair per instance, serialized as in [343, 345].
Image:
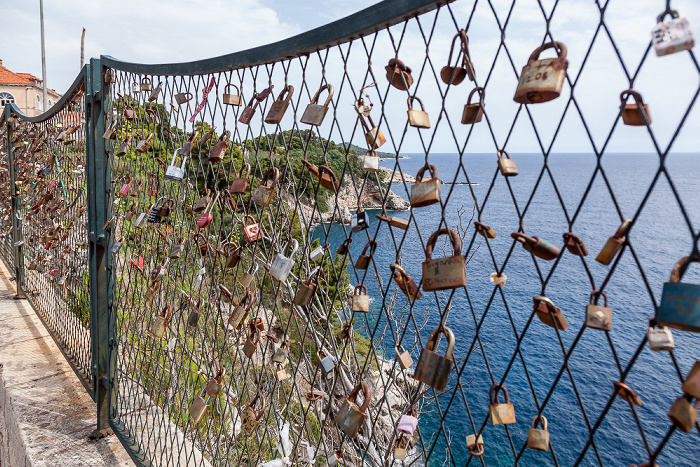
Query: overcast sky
[164, 31]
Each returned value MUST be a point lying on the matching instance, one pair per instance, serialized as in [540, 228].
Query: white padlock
[282, 265]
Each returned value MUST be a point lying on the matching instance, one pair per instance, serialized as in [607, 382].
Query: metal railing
[201, 308]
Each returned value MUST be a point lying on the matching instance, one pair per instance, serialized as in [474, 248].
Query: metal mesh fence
[6, 248]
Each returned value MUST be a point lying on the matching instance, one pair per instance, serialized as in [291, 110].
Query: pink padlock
[408, 423]
[206, 217]
[126, 187]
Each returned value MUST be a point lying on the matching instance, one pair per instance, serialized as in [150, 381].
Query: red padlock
[206, 217]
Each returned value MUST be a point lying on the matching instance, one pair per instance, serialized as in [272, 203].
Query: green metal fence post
[14, 200]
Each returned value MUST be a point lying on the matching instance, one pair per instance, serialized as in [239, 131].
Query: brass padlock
[598, 317]
[537, 246]
[279, 107]
[262, 196]
[360, 300]
[350, 417]
[434, 369]
[473, 113]
[249, 419]
[251, 231]
[249, 275]
[231, 99]
[146, 84]
[417, 118]
[364, 259]
[500, 414]
[548, 313]
[428, 192]
[281, 374]
[637, 113]
[251, 344]
[249, 110]
[626, 393]
[307, 289]
[542, 80]
[444, 273]
[281, 353]
[660, 339]
[691, 385]
[241, 310]
[219, 150]
[155, 92]
[394, 221]
[315, 113]
[400, 447]
[475, 445]
[456, 74]
[399, 74]
[538, 438]
[683, 413]
[506, 165]
[405, 282]
[370, 161]
[183, 97]
[161, 321]
[403, 357]
[574, 244]
[373, 135]
[614, 243]
[484, 230]
[240, 183]
[199, 408]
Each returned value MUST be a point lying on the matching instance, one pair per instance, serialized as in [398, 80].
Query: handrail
[57, 107]
[368, 21]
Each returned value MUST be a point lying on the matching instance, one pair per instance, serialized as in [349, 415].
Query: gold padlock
[538, 439]
[637, 113]
[500, 414]
[146, 84]
[403, 357]
[506, 165]
[315, 113]
[350, 417]
[262, 196]
[473, 113]
[542, 80]
[161, 321]
[475, 445]
[425, 193]
[249, 419]
[417, 118]
[394, 221]
[400, 447]
[683, 413]
[444, 273]
[282, 374]
[281, 353]
[614, 243]
[548, 313]
[241, 311]
[360, 300]
[432, 368]
[598, 317]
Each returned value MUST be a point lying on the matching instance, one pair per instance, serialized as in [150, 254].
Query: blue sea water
[660, 236]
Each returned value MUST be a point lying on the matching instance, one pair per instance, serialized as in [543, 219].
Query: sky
[167, 31]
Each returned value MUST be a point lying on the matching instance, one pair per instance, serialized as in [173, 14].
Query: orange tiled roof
[28, 76]
[9, 77]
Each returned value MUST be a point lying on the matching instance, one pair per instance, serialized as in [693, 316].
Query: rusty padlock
[574, 244]
[683, 413]
[626, 393]
[218, 152]
[475, 445]
[124, 147]
[240, 183]
[394, 221]
[233, 255]
[249, 419]
[432, 368]
[154, 94]
[315, 113]
[251, 231]
[425, 193]
[399, 74]
[403, 357]
[473, 113]
[231, 99]
[237, 317]
[417, 118]
[538, 438]
[364, 259]
[614, 243]
[262, 196]
[691, 385]
[444, 273]
[598, 317]
[537, 246]
[548, 313]
[350, 417]
[193, 318]
[307, 289]
[327, 178]
[456, 74]
[484, 230]
[279, 107]
[249, 110]
[506, 165]
[251, 344]
[161, 321]
[542, 80]
[202, 202]
[500, 414]
[637, 113]
[360, 299]
[405, 282]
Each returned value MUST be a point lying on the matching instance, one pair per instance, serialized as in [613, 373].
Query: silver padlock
[327, 364]
[661, 338]
[248, 277]
[173, 172]
[200, 275]
[282, 265]
[317, 253]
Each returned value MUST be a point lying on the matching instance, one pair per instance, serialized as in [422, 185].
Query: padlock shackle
[275, 172]
[524, 239]
[228, 85]
[681, 266]
[175, 154]
[623, 229]
[145, 81]
[359, 289]
[295, 247]
[259, 415]
[328, 99]
[383, 217]
[166, 312]
[245, 217]
[224, 290]
[503, 153]
[398, 270]
[366, 392]
[248, 300]
[478, 448]
[493, 394]
[637, 98]
[561, 54]
[245, 166]
[433, 173]
[595, 295]
[464, 46]
[449, 335]
[673, 13]
[317, 271]
[539, 420]
[254, 264]
[454, 238]
[288, 90]
[253, 103]
[325, 169]
[482, 95]
[372, 245]
[226, 134]
[210, 207]
[410, 100]
[481, 227]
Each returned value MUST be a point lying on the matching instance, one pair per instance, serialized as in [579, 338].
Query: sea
[594, 195]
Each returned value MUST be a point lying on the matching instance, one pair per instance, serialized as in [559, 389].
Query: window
[6, 98]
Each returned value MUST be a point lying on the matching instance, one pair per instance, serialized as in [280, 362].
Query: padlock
[473, 113]
[249, 110]
[359, 221]
[538, 438]
[542, 80]
[187, 147]
[193, 318]
[318, 252]
[173, 172]
[281, 353]
[282, 265]
[327, 178]
[691, 385]
[673, 35]
[249, 419]
[405, 282]
[598, 317]
[683, 413]
[202, 202]
[484, 230]
[370, 161]
[428, 192]
[206, 217]
[350, 417]
[315, 113]
[160, 270]
[251, 231]
[548, 313]
[373, 135]
[475, 445]
[199, 408]
[403, 357]
[241, 310]
[394, 221]
[537, 246]
[417, 118]
[151, 292]
[135, 87]
[637, 113]
[233, 255]
[161, 321]
[455, 75]
[614, 243]
[116, 246]
[408, 422]
[279, 107]
[398, 74]
[660, 339]
[144, 144]
[154, 213]
[575, 245]
[344, 247]
[183, 97]
[444, 273]
[364, 259]
[500, 414]
[200, 273]
[626, 393]
[207, 136]
[231, 99]
[680, 303]
[506, 165]
[219, 150]
[400, 448]
[125, 187]
[249, 275]
[262, 196]
[129, 113]
[307, 289]
[281, 374]
[251, 344]
[360, 300]
[432, 368]
[240, 183]
[124, 147]
[111, 131]
[177, 249]
[327, 364]
[155, 92]
[165, 209]
[146, 84]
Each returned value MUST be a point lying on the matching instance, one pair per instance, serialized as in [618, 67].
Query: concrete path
[46, 415]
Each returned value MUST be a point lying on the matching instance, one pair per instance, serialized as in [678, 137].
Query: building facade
[25, 90]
